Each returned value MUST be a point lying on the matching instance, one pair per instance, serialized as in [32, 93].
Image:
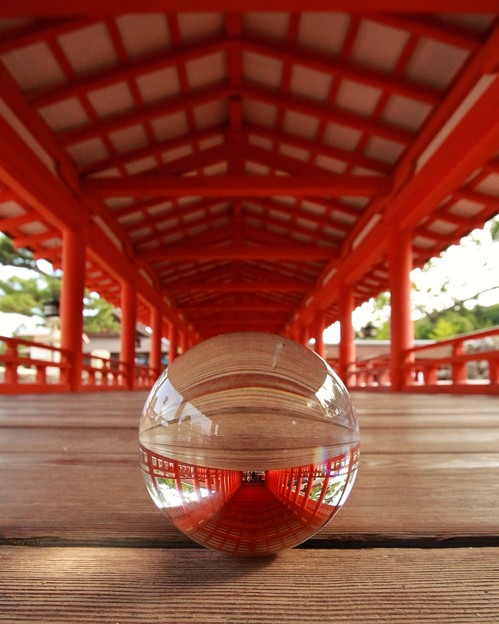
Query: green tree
[99, 315]
[19, 258]
[27, 295]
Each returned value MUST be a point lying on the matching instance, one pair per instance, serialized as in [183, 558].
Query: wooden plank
[50, 585]
[69, 472]
[123, 409]
[110, 440]
[93, 409]
[102, 499]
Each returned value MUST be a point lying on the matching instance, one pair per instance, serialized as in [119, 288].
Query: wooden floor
[81, 541]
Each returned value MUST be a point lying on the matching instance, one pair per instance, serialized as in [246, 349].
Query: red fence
[465, 364]
[28, 367]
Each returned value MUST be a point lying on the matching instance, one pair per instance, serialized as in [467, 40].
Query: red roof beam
[323, 220]
[148, 112]
[80, 86]
[196, 312]
[34, 240]
[430, 28]
[255, 233]
[40, 30]
[174, 214]
[478, 197]
[8, 224]
[329, 114]
[231, 252]
[343, 69]
[97, 8]
[216, 231]
[320, 149]
[276, 160]
[192, 163]
[158, 148]
[241, 287]
[237, 186]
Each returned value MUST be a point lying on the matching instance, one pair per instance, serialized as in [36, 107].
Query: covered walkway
[232, 168]
[247, 165]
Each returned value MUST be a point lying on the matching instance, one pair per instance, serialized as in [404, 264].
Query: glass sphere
[249, 443]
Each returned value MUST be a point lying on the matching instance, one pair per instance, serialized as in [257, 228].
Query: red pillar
[320, 347]
[157, 330]
[401, 325]
[347, 335]
[304, 337]
[173, 339]
[128, 330]
[71, 310]
[182, 342]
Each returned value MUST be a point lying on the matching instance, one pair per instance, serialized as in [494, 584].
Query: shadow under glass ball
[249, 443]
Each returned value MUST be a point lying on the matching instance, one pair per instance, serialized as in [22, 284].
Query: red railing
[465, 364]
[28, 367]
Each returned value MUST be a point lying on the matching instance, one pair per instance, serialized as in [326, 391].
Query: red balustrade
[33, 367]
[465, 364]
[468, 363]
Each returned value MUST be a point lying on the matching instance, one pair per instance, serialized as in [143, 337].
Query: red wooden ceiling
[242, 161]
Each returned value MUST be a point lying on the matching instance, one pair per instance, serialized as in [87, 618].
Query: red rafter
[236, 186]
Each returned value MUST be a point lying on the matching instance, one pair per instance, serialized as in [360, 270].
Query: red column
[173, 339]
[347, 335]
[320, 347]
[72, 293]
[304, 337]
[157, 330]
[128, 330]
[182, 342]
[401, 325]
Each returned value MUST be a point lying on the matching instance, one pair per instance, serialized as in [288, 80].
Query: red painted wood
[343, 69]
[157, 332]
[235, 186]
[321, 149]
[173, 340]
[347, 334]
[336, 115]
[401, 325]
[188, 253]
[57, 8]
[71, 305]
[128, 331]
[319, 347]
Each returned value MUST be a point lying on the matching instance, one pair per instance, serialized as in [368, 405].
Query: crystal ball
[249, 443]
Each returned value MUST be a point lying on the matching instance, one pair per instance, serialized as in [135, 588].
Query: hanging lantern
[51, 308]
[369, 330]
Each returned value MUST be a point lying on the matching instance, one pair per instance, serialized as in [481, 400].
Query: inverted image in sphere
[249, 443]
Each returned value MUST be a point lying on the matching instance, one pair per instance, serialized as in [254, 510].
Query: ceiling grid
[244, 161]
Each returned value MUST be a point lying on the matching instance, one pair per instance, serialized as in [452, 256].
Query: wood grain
[94, 585]
[70, 482]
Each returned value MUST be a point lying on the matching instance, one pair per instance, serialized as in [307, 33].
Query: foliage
[20, 258]
[27, 295]
[99, 316]
[494, 229]
[458, 320]
[439, 312]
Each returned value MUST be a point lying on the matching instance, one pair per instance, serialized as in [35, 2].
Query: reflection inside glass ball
[249, 443]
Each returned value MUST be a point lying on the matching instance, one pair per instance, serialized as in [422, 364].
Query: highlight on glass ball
[249, 443]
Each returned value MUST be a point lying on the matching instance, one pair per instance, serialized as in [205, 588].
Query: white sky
[469, 268]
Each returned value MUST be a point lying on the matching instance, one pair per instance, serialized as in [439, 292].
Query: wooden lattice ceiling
[246, 159]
